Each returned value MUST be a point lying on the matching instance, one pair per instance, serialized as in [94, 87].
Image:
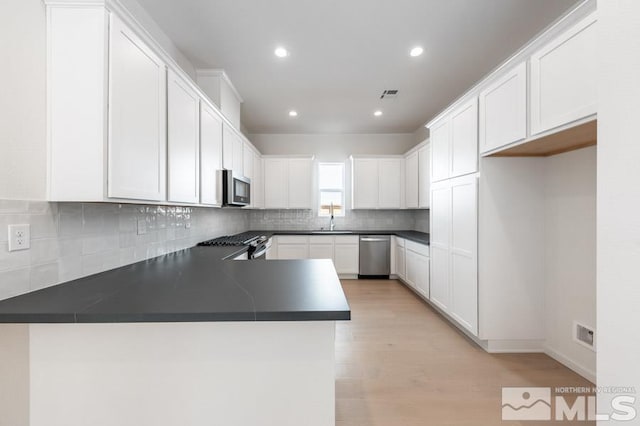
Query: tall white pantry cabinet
[454, 219]
[486, 234]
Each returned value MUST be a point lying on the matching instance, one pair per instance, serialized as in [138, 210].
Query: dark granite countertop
[187, 286]
[418, 237]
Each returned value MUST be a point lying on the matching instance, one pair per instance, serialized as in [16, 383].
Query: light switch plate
[19, 237]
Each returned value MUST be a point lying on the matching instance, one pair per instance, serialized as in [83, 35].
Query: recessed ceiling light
[378, 113]
[281, 52]
[293, 113]
[416, 51]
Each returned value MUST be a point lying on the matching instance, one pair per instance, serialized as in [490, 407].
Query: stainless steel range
[258, 244]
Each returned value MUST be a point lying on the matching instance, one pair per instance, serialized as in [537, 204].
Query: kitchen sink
[332, 232]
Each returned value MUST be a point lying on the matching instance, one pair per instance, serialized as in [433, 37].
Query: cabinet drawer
[399, 241]
[347, 239]
[293, 239]
[421, 249]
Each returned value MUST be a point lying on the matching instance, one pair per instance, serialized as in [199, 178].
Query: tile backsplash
[354, 219]
[72, 240]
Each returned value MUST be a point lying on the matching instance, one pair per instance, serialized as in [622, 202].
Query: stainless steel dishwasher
[375, 260]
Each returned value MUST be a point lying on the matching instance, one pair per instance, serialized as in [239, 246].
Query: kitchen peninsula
[191, 338]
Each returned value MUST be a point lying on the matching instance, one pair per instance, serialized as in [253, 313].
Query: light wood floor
[399, 363]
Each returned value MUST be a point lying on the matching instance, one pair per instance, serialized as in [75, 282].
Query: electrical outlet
[142, 226]
[19, 237]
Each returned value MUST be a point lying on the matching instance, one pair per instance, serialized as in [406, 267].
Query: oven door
[260, 252]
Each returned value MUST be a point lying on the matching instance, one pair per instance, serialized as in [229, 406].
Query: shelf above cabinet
[576, 137]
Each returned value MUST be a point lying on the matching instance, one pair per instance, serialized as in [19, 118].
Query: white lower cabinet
[346, 256]
[343, 250]
[417, 267]
[399, 252]
[321, 247]
[293, 247]
[454, 249]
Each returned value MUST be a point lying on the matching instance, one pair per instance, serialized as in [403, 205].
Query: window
[331, 189]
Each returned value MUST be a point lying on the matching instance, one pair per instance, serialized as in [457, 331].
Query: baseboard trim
[567, 362]
[513, 346]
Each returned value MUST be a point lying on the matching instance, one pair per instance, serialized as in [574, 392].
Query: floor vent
[584, 335]
[389, 94]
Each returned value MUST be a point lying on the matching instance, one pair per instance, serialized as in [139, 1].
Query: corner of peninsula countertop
[192, 285]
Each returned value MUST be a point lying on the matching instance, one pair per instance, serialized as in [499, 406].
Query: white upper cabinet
[563, 78]
[377, 183]
[412, 181]
[238, 155]
[232, 150]
[440, 150]
[210, 156]
[257, 183]
[276, 183]
[287, 183]
[464, 139]
[300, 173]
[137, 118]
[183, 117]
[129, 115]
[503, 110]
[247, 160]
[365, 183]
[424, 176]
[454, 142]
[228, 137]
[390, 178]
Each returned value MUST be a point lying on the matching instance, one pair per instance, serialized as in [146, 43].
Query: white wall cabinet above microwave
[210, 156]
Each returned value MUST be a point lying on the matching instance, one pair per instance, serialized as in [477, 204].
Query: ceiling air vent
[389, 94]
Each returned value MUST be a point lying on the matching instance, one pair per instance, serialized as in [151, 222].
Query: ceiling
[344, 53]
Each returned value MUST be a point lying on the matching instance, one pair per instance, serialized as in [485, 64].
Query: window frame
[335, 190]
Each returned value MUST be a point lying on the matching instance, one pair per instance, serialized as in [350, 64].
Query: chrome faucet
[332, 225]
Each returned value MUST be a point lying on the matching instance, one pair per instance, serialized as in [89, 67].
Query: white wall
[22, 100]
[618, 204]
[333, 147]
[570, 254]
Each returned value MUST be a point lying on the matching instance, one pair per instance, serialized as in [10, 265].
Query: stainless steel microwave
[236, 190]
